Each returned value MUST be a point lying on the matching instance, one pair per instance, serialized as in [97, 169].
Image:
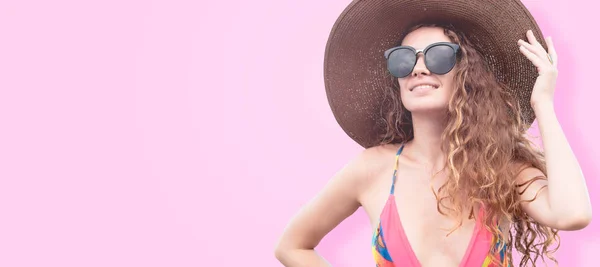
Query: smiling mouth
[425, 87]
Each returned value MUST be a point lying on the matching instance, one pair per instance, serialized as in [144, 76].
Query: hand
[546, 63]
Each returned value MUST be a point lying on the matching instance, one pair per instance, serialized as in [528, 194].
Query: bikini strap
[396, 169]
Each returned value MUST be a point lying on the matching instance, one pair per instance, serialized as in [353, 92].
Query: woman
[448, 177]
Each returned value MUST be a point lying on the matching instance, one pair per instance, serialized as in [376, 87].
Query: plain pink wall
[188, 133]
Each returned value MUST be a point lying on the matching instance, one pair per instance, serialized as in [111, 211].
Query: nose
[420, 67]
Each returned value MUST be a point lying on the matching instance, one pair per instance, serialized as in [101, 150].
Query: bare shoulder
[335, 202]
[374, 164]
[372, 161]
[377, 153]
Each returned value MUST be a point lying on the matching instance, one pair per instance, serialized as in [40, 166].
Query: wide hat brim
[355, 70]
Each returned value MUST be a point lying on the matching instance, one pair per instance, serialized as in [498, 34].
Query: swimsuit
[391, 248]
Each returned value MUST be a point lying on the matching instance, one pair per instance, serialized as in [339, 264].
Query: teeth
[424, 87]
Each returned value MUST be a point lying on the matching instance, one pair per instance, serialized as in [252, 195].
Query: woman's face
[423, 91]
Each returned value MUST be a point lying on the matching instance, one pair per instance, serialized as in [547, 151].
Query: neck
[426, 145]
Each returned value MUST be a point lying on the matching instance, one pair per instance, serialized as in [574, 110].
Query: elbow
[576, 222]
[280, 253]
[288, 253]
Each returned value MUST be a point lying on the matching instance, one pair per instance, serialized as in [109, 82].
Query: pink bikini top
[390, 245]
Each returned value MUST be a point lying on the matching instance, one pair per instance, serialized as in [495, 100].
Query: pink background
[188, 133]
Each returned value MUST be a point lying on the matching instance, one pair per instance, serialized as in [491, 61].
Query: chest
[435, 239]
[426, 230]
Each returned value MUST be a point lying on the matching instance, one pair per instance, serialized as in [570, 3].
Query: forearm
[301, 258]
[568, 194]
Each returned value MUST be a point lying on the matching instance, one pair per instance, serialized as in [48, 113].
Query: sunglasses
[439, 58]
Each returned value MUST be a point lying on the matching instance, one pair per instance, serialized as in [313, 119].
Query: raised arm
[562, 200]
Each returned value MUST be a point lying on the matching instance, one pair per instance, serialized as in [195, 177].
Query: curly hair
[485, 146]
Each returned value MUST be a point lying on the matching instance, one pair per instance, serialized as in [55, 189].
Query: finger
[531, 56]
[552, 51]
[541, 53]
[532, 40]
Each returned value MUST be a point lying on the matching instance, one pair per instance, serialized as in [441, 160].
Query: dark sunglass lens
[440, 59]
[401, 62]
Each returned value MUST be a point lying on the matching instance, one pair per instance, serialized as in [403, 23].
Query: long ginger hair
[486, 146]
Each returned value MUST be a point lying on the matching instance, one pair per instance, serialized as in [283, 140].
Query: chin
[434, 113]
[426, 107]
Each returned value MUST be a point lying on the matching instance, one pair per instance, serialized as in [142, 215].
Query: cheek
[402, 84]
[449, 85]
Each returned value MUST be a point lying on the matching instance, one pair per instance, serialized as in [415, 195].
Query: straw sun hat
[355, 69]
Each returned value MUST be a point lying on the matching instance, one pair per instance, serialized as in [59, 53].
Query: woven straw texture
[355, 69]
